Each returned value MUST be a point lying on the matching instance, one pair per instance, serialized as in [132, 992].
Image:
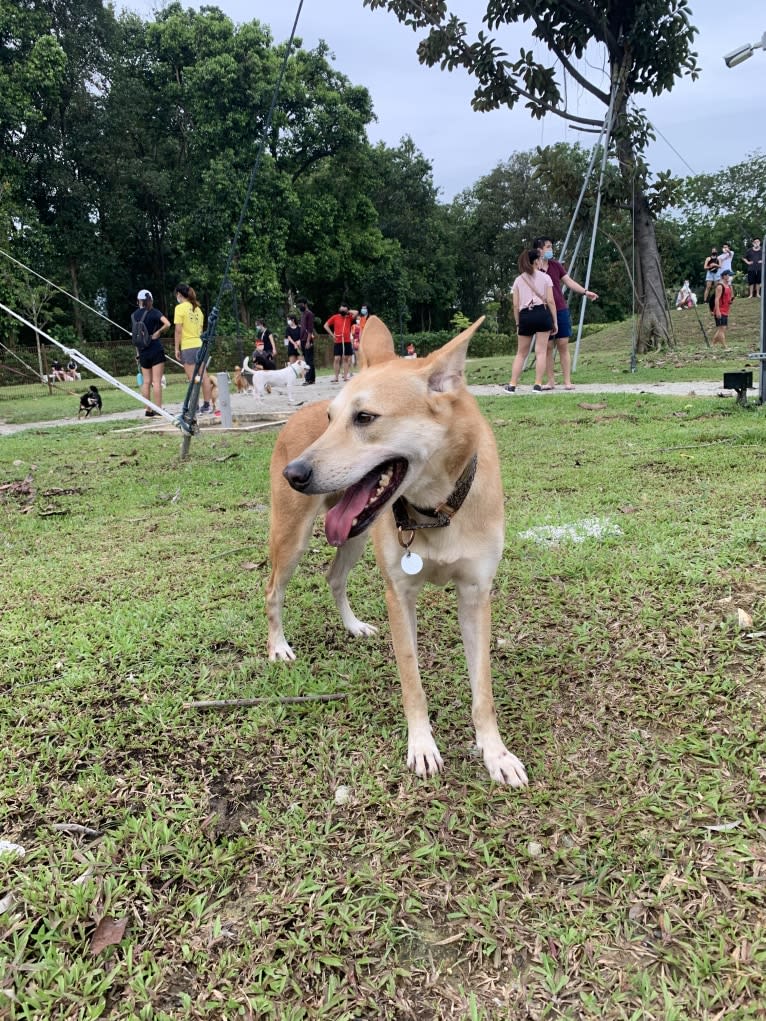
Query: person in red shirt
[339, 328]
[724, 296]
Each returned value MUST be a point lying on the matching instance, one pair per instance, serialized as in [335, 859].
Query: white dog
[288, 377]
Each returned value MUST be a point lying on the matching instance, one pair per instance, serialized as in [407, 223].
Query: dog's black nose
[298, 474]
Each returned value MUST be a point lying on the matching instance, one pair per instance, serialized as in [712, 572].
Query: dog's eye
[364, 418]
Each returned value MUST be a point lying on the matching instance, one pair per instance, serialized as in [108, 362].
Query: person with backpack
[147, 326]
[720, 302]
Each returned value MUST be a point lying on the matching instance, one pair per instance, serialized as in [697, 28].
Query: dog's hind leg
[337, 578]
[475, 625]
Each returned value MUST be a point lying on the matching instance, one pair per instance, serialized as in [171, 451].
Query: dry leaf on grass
[591, 407]
[108, 932]
[743, 618]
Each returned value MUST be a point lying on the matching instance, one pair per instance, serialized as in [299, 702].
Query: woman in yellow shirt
[189, 322]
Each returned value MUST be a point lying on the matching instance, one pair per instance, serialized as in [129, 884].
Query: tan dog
[239, 380]
[404, 433]
[213, 391]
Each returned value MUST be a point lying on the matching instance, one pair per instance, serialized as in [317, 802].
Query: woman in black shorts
[535, 313]
[293, 338]
[152, 358]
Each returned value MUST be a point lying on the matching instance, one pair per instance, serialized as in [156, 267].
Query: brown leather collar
[442, 513]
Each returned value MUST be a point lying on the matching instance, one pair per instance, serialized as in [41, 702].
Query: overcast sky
[701, 126]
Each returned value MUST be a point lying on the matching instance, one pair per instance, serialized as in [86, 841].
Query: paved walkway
[250, 413]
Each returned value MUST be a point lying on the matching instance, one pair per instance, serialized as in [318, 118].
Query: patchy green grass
[627, 881]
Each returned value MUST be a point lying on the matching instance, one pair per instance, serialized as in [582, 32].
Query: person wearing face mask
[307, 340]
[293, 340]
[338, 327]
[560, 337]
[356, 331]
[189, 320]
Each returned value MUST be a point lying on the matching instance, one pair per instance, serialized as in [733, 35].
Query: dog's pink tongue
[340, 518]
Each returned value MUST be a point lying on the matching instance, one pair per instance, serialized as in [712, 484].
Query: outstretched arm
[578, 288]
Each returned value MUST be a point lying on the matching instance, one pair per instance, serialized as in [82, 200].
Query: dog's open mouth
[362, 502]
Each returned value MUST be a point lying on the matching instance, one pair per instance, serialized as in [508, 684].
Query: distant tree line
[126, 147]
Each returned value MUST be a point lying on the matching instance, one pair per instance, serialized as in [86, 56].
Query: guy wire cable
[73, 297]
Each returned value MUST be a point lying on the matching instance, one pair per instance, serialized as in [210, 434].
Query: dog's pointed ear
[445, 366]
[376, 344]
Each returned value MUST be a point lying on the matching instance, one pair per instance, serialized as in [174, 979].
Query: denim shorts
[564, 324]
[189, 355]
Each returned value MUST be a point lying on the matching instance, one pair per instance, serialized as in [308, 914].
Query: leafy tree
[500, 215]
[646, 47]
[727, 206]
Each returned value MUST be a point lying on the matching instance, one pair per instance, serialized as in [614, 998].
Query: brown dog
[403, 451]
[239, 380]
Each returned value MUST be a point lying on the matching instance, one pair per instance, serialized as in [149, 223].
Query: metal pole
[596, 215]
[762, 353]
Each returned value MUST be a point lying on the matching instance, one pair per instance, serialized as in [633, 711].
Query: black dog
[90, 399]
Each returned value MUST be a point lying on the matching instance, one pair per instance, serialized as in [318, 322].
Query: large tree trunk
[654, 329]
[76, 313]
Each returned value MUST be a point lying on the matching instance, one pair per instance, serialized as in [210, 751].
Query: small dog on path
[90, 401]
[289, 376]
[404, 452]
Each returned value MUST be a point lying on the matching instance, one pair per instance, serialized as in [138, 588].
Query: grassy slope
[133, 582]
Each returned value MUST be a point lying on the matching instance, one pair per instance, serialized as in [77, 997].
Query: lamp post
[731, 60]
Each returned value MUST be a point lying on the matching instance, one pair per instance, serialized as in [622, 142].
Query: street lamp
[743, 52]
[731, 60]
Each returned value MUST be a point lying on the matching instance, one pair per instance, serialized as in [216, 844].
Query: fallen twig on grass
[286, 700]
[75, 827]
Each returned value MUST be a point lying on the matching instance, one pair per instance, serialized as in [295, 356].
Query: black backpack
[711, 296]
[139, 333]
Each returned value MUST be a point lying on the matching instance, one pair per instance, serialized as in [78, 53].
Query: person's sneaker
[205, 409]
[149, 413]
[509, 389]
[537, 389]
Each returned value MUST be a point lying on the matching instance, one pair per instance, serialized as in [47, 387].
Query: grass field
[185, 864]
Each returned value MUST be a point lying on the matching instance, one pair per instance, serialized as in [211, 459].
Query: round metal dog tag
[411, 563]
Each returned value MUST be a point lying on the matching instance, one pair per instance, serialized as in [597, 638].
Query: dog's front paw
[423, 757]
[281, 651]
[505, 768]
[359, 629]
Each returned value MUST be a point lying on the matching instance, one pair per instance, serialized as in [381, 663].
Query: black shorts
[152, 355]
[721, 320]
[753, 276]
[343, 350]
[535, 320]
[292, 350]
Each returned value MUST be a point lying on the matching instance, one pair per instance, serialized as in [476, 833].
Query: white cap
[143, 295]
